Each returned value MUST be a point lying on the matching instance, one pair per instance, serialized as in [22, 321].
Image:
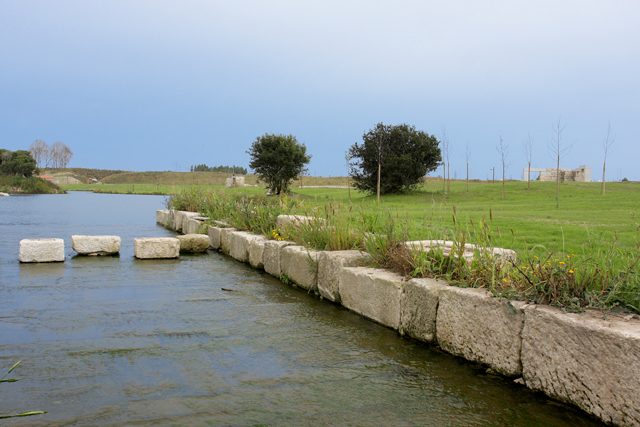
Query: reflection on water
[119, 341]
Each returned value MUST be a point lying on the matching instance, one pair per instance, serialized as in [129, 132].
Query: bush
[405, 156]
[277, 160]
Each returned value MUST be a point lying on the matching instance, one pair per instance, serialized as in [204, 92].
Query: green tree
[400, 155]
[277, 160]
[19, 163]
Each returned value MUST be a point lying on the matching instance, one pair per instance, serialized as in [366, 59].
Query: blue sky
[163, 85]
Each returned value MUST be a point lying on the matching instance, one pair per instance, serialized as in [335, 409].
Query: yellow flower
[535, 257]
[571, 271]
[562, 262]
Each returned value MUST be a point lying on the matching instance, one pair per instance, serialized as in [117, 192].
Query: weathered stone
[178, 217]
[96, 245]
[300, 265]
[214, 237]
[469, 250]
[193, 224]
[186, 216]
[329, 265]
[418, 318]
[472, 323]
[41, 250]
[256, 252]
[239, 245]
[163, 217]
[373, 293]
[3, 194]
[225, 239]
[195, 243]
[271, 256]
[586, 360]
[156, 247]
[287, 220]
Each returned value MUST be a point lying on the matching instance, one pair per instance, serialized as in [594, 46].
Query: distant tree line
[18, 163]
[55, 156]
[227, 169]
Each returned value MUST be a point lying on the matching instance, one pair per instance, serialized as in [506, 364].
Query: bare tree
[65, 155]
[503, 150]
[558, 151]
[347, 160]
[606, 145]
[445, 166]
[55, 152]
[527, 144]
[467, 155]
[38, 150]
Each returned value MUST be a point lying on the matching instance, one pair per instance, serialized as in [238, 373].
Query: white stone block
[156, 247]
[329, 265]
[41, 250]
[474, 324]
[288, 220]
[271, 256]
[214, 237]
[420, 308]
[300, 265]
[373, 293]
[256, 252]
[240, 242]
[225, 239]
[96, 245]
[585, 360]
[163, 217]
[194, 243]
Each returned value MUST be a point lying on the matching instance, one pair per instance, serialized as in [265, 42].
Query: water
[119, 341]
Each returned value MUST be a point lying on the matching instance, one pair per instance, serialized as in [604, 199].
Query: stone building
[579, 174]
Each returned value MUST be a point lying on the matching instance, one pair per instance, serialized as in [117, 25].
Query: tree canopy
[277, 160]
[19, 163]
[405, 156]
[226, 169]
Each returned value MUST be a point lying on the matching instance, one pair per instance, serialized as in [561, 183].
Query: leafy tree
[19, 163]
[400, 153]
[226, 169]
[277, 160]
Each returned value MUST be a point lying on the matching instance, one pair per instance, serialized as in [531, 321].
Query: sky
[162, 85]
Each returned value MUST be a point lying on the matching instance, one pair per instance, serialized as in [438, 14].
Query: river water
[118, 341]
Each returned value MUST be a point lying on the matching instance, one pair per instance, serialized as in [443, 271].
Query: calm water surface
[119, 341]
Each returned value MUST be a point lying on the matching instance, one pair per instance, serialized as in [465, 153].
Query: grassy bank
[31, 185]
[583, 253]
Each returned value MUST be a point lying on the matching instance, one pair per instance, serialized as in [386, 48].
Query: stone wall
[589, 360]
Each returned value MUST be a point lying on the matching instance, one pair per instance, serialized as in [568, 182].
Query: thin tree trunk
[503, 181]
[467, 176]
[379, 172]
[558, 180]
[444, 182]
[529, 176]
[448, 177]
[604, 165]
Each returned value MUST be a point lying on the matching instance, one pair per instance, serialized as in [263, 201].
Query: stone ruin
[579, 174]
[235, 181]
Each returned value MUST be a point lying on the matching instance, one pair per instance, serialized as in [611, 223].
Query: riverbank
[589, 359]
[31, 185]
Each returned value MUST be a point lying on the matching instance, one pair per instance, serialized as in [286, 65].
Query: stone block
[225, 239]
[474, 324]
[329, 265]
[96, 245]
[288, 220]
[239, 245]
[256, 252]
[373, 293]
[300, 265]
[271, 256]
[186, 216]
[194, 243]
[41, 250]
[163, 217]
[214, 237]
[156, 247]
[469, 250]
[178, 217]
[586, 360]
[421, 297]
[193, 225]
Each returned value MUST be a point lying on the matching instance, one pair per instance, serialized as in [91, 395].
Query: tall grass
[31, 185]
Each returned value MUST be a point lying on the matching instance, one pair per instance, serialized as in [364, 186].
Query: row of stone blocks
[583, 359]
[52, 250]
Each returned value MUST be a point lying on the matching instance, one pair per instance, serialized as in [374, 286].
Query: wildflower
[571, 271]
[562, 262]
[535, 257]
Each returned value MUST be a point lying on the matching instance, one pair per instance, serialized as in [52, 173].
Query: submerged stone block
[329, 265]
[256, 251]
[373, 293]
[156, 247]
[421, 297]
[271, 256]
[585, 360]
[474, 324]
[300, 265]
[96, 245]
[41, 250]
[194, 243]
